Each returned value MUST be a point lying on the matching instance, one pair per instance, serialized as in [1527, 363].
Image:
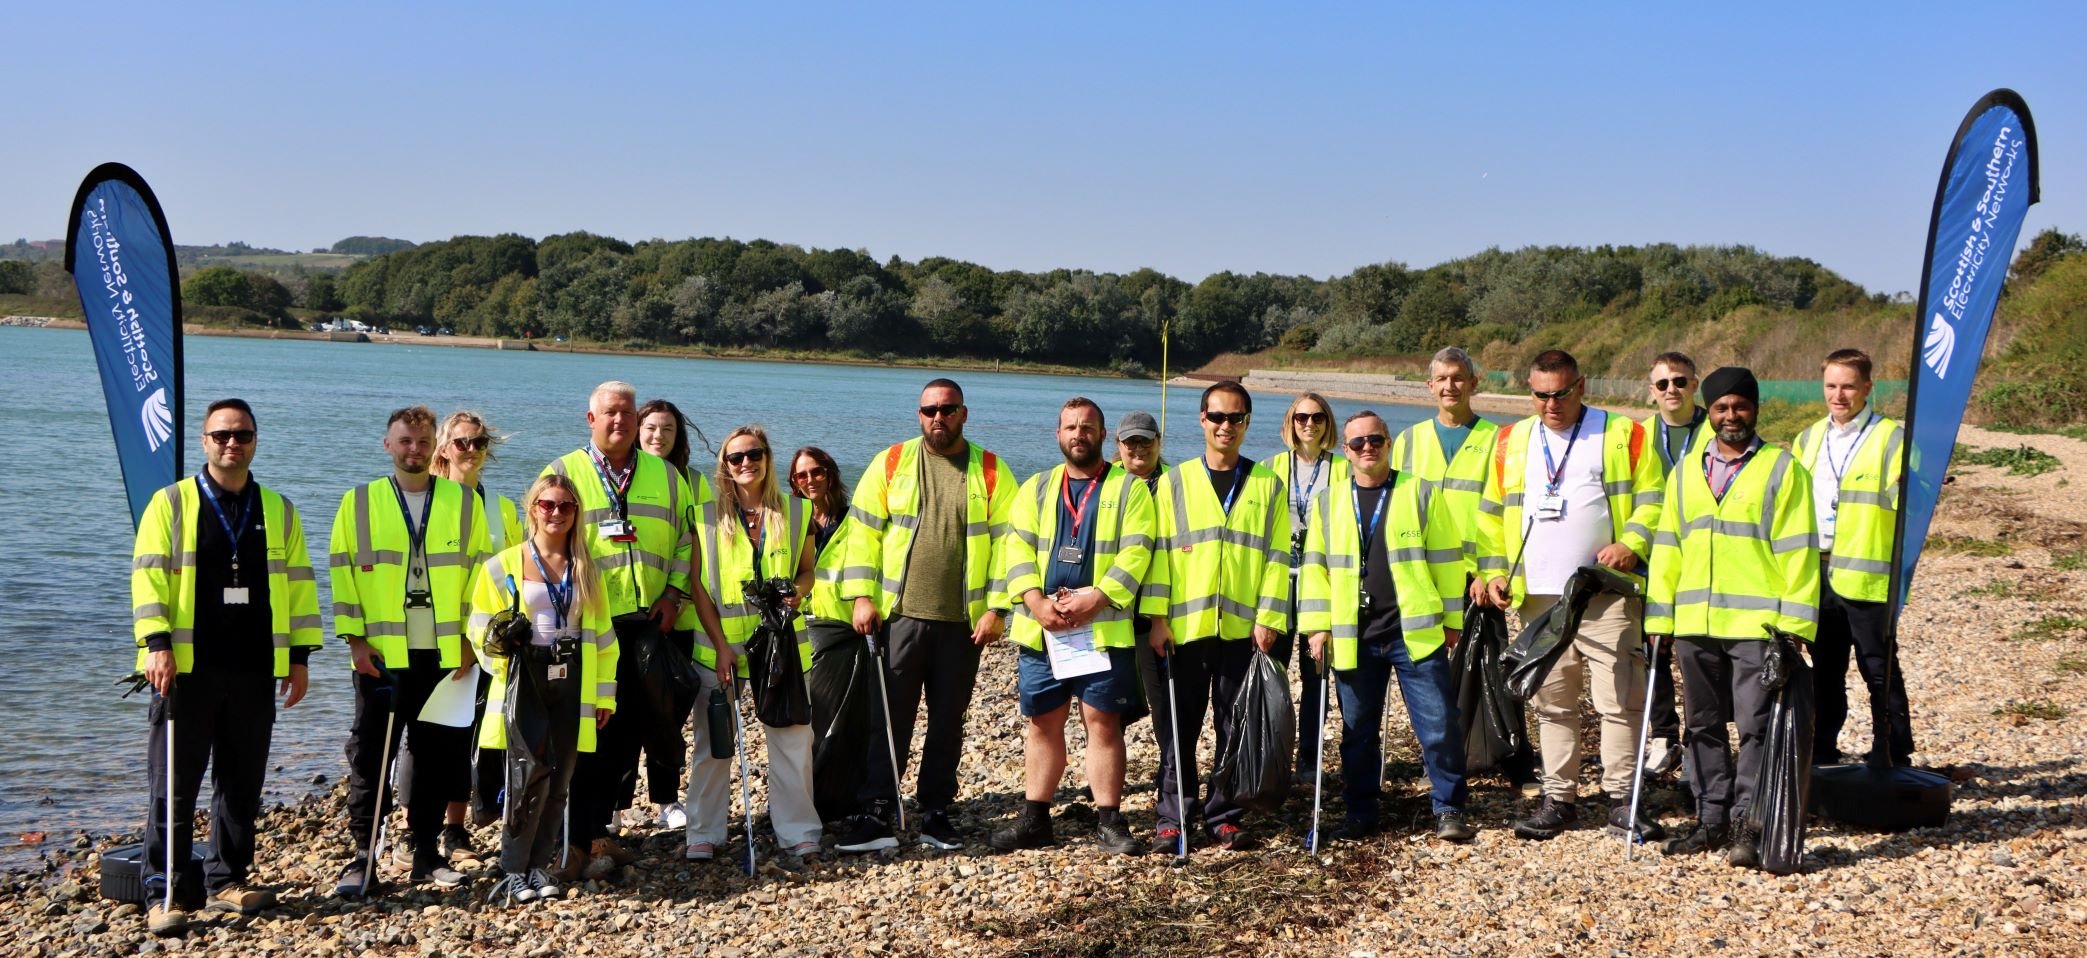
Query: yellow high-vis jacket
[1723, 569]
[367, 566]
[1459, 477]
[1125, 528]
[1867, 510]
[494, 591]
[1426, 553]
[886, 510]
[635, 574]
[729, 563]
[1226, 571]
[1630, 480]
[163, 575]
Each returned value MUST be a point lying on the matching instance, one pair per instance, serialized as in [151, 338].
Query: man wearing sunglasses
[1383, 584]
[1675, 429]
[1225, 536]
[225, 608]
[929, 513]
[635, 513]
[1572, 486]
[405, 551]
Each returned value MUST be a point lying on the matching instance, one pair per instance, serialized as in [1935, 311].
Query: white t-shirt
[420, 623]
[1558, 547]
[543, 617]
[1829, 460]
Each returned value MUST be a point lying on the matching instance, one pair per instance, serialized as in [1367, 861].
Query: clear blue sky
[1189, 138]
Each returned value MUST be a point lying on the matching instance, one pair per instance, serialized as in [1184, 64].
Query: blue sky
[1193, 138]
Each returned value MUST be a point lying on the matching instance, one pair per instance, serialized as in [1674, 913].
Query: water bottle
[720, 724]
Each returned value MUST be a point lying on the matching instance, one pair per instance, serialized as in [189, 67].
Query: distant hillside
[282, 264]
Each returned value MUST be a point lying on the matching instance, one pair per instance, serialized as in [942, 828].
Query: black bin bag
[1254, 773]
[774, 672]
[1494, 729]
[1784, 789]
[665, 674]
[1544, 640]
[844, 719]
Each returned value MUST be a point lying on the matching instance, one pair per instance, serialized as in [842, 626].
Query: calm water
[75, 757]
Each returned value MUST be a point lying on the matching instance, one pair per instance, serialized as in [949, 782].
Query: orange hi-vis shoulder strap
[988, 461]
[1637, 444]
[1500, 454]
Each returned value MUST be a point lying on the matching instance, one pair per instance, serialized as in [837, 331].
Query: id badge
[235, 595]
[1070, 555]
[1550, 507]
[555, 672]
[617, 530]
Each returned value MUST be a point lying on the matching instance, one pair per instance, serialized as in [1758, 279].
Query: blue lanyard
[1826, 446]
[618, 494]
[234, 528]
[1555, 471]
[1303, 503]
[1238, 479]
[1688, 438]
[560, 592]
[1369, 531]
[419, 537]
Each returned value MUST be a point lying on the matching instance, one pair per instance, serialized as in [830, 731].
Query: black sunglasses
[225, 437]
[1680, 382]
[1307, 418]
[1235, 418]
[1555, 395]
[1371, 441]
[755, 455]
[471, 442]
[944, 410]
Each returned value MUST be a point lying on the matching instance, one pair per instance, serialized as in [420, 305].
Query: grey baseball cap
[1137, 425]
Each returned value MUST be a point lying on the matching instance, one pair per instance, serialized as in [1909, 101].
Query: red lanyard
[1080, 511]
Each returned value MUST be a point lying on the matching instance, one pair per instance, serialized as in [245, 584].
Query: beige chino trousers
[1604, 659]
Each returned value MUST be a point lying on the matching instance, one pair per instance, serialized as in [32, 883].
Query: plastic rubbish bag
[665, 675]
[1784, 788]
[773, 668]
[1542, 641]
[1254, 771]
[844, 719]
[1494, 728]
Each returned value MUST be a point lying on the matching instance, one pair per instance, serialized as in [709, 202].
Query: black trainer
[1745, 849]
[1166, 840]
[1451, 827]
[1551, 817]
[1352, 831]
[455, 844]
[1116, 839]
[433, 870]
[358, 879]
[938, 832]
[1649, 829]
[1702, 838]
[1028, 831]
[865, 833]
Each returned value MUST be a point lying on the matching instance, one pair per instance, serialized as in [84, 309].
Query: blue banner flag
[121, 258]
[1988, 184]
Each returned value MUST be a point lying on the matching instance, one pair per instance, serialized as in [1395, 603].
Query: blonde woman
[556, 690]
[463, 446]
[1307, 464]
[749, 531]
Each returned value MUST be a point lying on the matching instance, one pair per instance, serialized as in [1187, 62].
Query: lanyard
[1369, 530]
[418, 537]
[1688, 438]
[1718, 492]
[234, 528]
[1079, 512]
[756, 531]
[1556, 471]
[560, 592]
[618, 490]
[1841, 468]
[1302, 504]
[1238, 479]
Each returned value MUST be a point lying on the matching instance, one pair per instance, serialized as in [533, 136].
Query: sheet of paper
[454, 701]
[1073, 653]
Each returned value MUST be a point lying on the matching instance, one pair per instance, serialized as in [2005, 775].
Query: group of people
[1135, 587]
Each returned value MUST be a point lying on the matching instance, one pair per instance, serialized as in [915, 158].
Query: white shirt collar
[1854, 423]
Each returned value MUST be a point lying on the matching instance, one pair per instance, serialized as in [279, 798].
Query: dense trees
[225, 286]
[371, 245]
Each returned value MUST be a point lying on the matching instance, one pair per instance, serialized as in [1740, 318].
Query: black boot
[1551, 817]
[1649, 829]
[1030, 830]
[1702, 838]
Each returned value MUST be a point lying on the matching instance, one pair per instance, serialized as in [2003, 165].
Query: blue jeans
[1430, 694]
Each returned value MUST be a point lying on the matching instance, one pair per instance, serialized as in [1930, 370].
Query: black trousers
[1207, 675]
[1721, 682]
[225, 720]
[607, 778]
[666, 750]
[489, 772]
[440, 754]
[936, 661]
[1660, 711]
[1845, 626]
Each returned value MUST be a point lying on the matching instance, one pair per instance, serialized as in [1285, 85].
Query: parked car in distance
[423, 331]
[445, 331]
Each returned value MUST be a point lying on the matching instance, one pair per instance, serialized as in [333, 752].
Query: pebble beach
[1994, 645]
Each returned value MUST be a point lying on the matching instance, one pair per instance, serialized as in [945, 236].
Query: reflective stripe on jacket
[635, 574]
[1630, 481]
[367, 561]
[728, 564]
[1460, 479]
[1125, 527]
[489, 596]
[163, 575]
[1867, 515]
[1723, 569]
[1426, 553]
[886, 510]
[1226, 573]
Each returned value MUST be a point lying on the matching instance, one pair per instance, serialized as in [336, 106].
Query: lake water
[75, 756]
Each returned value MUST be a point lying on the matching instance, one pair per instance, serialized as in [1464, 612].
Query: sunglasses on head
[944, 410]
[471, 442]
[1308, 418]
[1679, 382]
[1557, 394]
[1374, 440]
[750, 455]
[807, 475]
[557, 507]
[1235, 418]
[225, 437]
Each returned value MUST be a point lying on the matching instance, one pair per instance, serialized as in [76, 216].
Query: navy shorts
[1111, 691]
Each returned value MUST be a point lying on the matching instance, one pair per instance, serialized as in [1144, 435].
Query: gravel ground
[1995, 650]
